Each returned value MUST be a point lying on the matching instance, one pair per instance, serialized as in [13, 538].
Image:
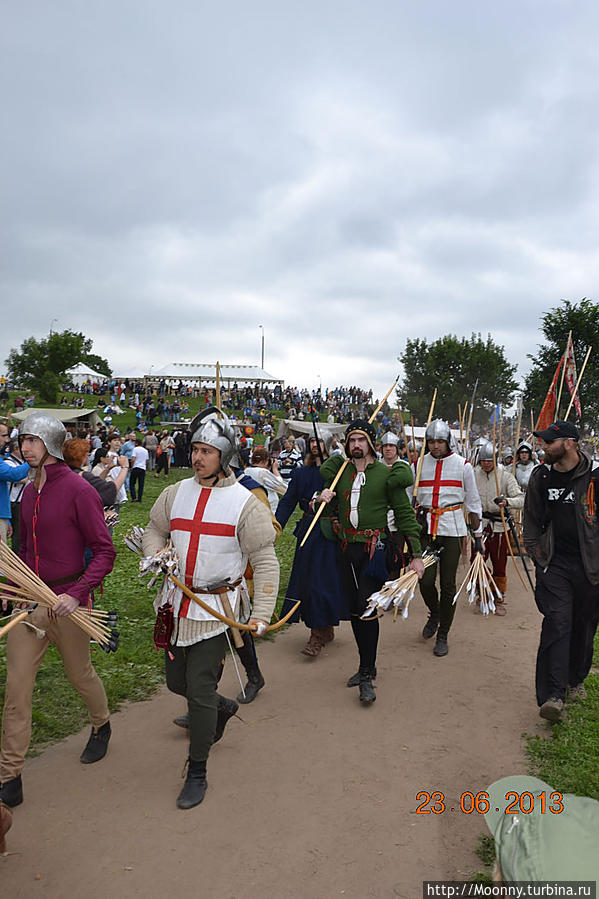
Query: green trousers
[448, 565]
[194, 672]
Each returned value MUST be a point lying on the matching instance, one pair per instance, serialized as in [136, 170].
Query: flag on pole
[547, 413]
[570, 375]
[495, 414]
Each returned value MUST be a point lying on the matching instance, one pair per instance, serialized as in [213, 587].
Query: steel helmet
[390, 439]
[216, 430]
[486, 453]
[438, 430]
[50, 431]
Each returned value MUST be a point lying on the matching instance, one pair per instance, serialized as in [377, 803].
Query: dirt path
[313, 796]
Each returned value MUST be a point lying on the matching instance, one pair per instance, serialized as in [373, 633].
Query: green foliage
[568, 760]
[98, 363]
[583, 320]
[40, 365]
[453, 365]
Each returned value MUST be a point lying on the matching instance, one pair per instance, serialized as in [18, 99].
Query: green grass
[136, 670]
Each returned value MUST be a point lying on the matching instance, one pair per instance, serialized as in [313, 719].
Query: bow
[505, 531]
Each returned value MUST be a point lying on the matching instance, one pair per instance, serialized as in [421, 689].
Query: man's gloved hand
[501, 501]
[478, 544]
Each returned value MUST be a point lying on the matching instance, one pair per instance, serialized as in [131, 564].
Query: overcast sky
[347, 174]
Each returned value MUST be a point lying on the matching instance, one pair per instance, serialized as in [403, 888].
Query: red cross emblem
[436, 484]
[196, 527]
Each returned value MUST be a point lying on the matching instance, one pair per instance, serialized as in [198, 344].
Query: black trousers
[357, 586]
[137, 479]
[194, 672]
[569, 604]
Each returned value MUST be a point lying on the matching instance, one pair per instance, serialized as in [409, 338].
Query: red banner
[570, 376]
[546, 416]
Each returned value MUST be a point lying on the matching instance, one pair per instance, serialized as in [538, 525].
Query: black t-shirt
[562, 513]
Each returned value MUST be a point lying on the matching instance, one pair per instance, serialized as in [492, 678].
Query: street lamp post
[262, 329]
[51, 326]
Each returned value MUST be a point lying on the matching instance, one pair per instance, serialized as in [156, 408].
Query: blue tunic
[314, 576]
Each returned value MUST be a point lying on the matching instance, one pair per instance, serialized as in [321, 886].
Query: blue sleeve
[289, 500]
[13, 472]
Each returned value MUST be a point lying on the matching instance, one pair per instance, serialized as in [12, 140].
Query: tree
[98, 363]
[453, 366]
[41, 365]
[583, 320]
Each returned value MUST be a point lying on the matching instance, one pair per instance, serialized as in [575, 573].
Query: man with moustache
[446, 484]
[216, 526]
[366, 490]
[561, 535]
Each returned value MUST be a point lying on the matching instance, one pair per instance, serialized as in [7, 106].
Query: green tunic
[385, 488]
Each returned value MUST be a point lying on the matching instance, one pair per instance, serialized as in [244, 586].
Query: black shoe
[431, 627]
[441, 647]
[354, 680]
[195, 786]
[11, 792]
[182, 721]
[254, 684]
[226, 709]
[367, 693]
[96, 745]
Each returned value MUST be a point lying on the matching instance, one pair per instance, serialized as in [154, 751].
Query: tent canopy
[206, 373]
[80, 373]
[66, 416]
[305, 428]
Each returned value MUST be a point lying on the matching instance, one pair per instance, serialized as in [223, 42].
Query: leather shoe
[195, 786]
[255, 683]
[441, 647]
[430, 628]
[96, 745]
[11, 792]
[367, 692]
[226, 709]
[354, 680]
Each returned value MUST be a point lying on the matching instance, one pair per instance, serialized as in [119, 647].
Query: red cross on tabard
[438, 483]
[196, 527]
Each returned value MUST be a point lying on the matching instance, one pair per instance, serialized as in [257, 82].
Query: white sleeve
[272, 482]
[472, 498]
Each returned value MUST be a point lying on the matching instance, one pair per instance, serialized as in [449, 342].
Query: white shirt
[140, 457]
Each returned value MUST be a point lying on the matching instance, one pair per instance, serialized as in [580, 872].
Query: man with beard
[314, 579]
[561, 535]
[446, 484]
[366, 490]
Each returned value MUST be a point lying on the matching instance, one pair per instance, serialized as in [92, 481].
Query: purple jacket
[67, 517]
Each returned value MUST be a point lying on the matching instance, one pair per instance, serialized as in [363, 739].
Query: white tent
[81, 373]
[205, 374]
[81, 417]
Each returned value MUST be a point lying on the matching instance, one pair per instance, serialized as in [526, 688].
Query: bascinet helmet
[523, 446]
[485, 452]
[438, 430]
[50, 431]
[216, 430]
[362, 427]
[391, 438]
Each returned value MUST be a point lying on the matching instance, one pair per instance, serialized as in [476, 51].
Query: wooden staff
[423, 447]
[346, 462]
[517, 436]
[501, 512]
[579, 379]
[17, 620]
[403, 430]
[460, 426]
[217, 399]
[561, 380]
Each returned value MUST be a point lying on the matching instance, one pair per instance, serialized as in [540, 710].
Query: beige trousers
[24, 653]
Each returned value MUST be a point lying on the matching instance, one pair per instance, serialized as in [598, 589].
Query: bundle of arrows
[400, 592]
[26, 587]
[480, 586]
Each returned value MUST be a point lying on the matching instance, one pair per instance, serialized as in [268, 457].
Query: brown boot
[500, 608]
[314, 644]
[328, 634]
